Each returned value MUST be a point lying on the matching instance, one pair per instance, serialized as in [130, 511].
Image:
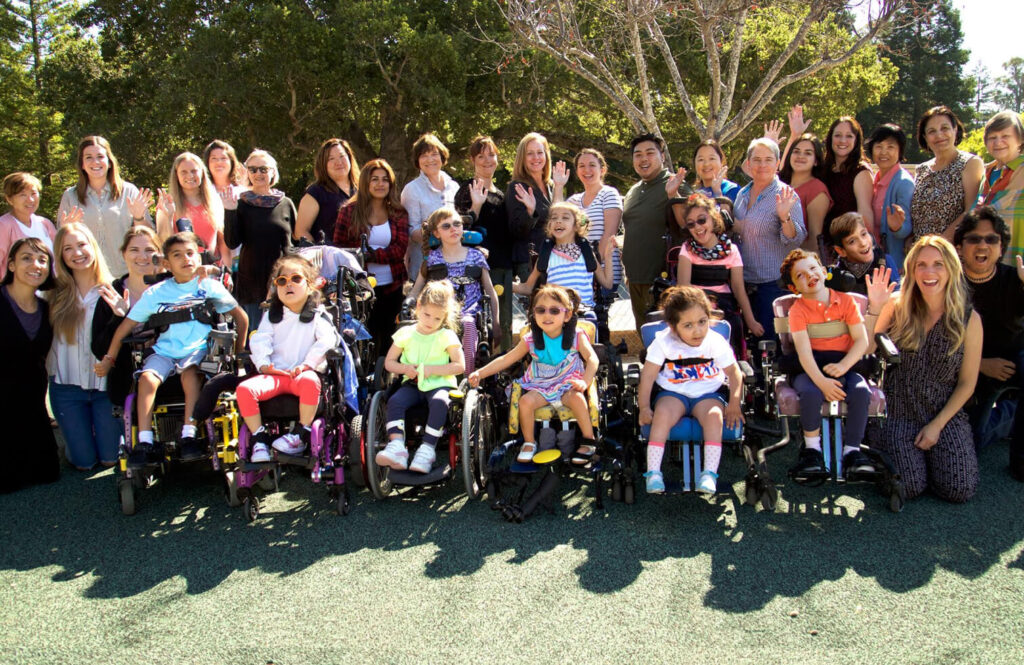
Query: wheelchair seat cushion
[788, 400]
[689, 429]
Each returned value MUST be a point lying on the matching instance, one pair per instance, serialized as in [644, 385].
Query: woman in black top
[262, 221]
[28, 447]
[337, 177]
[528, 197]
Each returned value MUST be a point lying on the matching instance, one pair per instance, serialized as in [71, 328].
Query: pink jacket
[11, 231]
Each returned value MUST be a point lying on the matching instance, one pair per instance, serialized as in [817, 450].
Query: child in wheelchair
[826, 364]
[858, 255]
[689, 362]
[562, 366]
[183, 307]
[467, 270]
[289, 348]
[428, 356]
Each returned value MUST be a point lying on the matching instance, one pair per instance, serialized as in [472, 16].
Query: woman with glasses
[261, 220]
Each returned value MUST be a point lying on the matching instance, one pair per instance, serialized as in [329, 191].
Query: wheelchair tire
[376, 437]
[617, 493]
[897, 496]
[251, 508]
[769, 498]
[126, 492]
[378, 383]
[356, 472]
[750, 492]
[343, 505]
[268, 483]
[629, 494]
[231, 489]
[477, 438]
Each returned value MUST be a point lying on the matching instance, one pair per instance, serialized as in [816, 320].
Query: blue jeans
[86, 420]
[761, 300]
[986, 421]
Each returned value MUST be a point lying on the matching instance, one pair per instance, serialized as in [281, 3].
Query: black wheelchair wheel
[376, 439]
[343, 505]
[251, 508]
[897, 495]
[355, 453]
[769, 498]
[478, 435]
[750, 492]
[629, 494]
[126, 493]
[617, 490]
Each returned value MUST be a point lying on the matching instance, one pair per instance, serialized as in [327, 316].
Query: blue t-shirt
[552, 353]
[729, 190]
[180, 340]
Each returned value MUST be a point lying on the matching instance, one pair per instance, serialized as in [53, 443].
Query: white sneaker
[527, 452]
[289, 444]
[394, 455]
[707, 483]
[423, 460]
[260, 453]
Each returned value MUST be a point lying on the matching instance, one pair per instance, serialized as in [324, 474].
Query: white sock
[813, 442]
[849, 449]
[655, 451]
[712, 456]
[145, 436]
[188, 431]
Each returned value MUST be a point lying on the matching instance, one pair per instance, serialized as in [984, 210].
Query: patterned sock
[712, 455]
[655, 451]
[813, 442]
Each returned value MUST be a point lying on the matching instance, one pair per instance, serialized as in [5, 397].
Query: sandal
[585, 452]
[527, 452]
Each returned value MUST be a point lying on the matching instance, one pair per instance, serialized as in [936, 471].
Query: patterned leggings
[469, 339]
[950, 467]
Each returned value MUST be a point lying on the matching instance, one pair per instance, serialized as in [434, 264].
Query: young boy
[181, 347]
[858, 255]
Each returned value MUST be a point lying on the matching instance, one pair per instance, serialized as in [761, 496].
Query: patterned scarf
[716, 253]
[571, 251]
[262, 201]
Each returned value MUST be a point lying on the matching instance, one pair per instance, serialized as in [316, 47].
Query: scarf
[571, 251]
[262, 201]
[716, 253]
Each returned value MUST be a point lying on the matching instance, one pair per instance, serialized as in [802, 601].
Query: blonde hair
[579, 218]
[65, 314]
[440, 293]
[911, 311]
[271, 162]
[519, 171]
[208, 198]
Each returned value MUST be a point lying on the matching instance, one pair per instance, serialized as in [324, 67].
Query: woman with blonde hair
[528, 197]
[927, 432]
[192, 195]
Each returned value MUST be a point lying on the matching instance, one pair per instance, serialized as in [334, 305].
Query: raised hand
[525, 196]
[166, 204]
[118, 303]
[773, 131]
[784, 202]
[895, 217]
[478, 192]
[716, 182]
[73, 216]
[798, 126]
[675, 182]
[560, 175]
[1020, 267]
[879, 288]
[229, 199]
[139, 205]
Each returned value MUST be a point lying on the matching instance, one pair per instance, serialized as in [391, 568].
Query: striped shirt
[763, 245]
[570, 274]
[608, 198]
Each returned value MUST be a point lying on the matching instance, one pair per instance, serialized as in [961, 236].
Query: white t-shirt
[690, 370]
[379, 238]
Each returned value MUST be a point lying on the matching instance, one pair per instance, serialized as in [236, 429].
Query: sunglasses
[976, 239]
[553, 311]
[282, 280]
[258, 169]
[700, 221]
[449, 225]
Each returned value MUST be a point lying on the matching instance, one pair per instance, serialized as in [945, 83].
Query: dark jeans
[504, 276]
[761, 298]
[408, 396]
[985, 419]
[858, 399]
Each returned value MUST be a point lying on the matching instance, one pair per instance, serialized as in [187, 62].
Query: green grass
[828, 578]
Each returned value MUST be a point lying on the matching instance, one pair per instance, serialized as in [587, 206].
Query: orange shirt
[840, 307]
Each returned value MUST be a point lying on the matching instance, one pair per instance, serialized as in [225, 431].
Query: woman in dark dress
[846, 173]
[29, 447]
[337, 177]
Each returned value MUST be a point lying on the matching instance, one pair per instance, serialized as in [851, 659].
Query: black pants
[382, 321]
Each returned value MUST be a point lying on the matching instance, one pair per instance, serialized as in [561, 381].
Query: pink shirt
[202, 225]
[11, 231]
[881, 186]
[810, 191]
[733, 260]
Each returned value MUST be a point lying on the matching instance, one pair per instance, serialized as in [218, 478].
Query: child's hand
[474, 379]
[673, 183]
[295, 371]
[102, 368]
[646, 416]
[560, 175]
[755, 328]
[879, 288]
[204, 272]
[412, 372]
[896, 216]
[733, 415]
[578, 385]
[835, 370]
[270, 369]
[605, 247]
[832, 390]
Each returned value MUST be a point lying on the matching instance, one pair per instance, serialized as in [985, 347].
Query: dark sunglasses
[258, 169]
[553, 311]
[282, 280]
[976, 239]
[700, 221]
[448, 225]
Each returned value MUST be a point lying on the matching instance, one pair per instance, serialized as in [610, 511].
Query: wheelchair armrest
[767, 346]
[632, 374]
[748, 372]
[886, 349]
[334, 355]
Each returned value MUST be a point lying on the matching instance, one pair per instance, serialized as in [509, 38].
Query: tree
[1010, 86]
[981, 83]
[926, 48]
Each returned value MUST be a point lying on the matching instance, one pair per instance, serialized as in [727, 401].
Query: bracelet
[109, 357]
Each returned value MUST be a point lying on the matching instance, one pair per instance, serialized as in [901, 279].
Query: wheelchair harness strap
[204, 313]
[815, 330]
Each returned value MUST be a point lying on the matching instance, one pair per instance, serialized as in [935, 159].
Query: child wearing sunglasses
[467, 270]
[290, 349]
[710, 261]
[562, 366]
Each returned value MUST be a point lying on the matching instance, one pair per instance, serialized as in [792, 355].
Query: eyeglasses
[282, 280]
[977, 239]
[700, 221]
[258, 169]
[448, 225]
[553, 311]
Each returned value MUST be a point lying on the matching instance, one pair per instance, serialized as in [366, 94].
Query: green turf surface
[828, 578]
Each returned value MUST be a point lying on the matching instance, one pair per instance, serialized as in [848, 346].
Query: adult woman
[110, 205]
[927, 433]
[337, 176]
[711, 168]
[1003, 184]
[601, 202]
[487, 202]
[528, 197]
[377, 213]
[432, 189]
[770, 222]
[845, 173]
[191, 195]
[21, 191]
[79, 397]
[138, 248]
[802, 171]
[226, 171]
[29, 448]
[947, 185]
[261, 220]
[892, 190]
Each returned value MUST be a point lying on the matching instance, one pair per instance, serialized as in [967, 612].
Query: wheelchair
[484, 317]
[684, 443]
[510, 488]
[169, 414]
[782, 403]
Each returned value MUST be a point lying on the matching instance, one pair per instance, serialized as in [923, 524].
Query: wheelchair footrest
[438, 474]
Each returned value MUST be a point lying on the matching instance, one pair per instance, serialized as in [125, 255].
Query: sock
[850, 449]
[812, 442]
[712, 456]
[655, 451]
[188, 431]
[146, 436]
[308, 428]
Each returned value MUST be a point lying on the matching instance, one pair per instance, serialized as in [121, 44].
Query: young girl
[566, 258]
[705, 243]
[826, 362]
[289, 348]
[689, 362]
[562, 366]
[428, 356]
[465, 267]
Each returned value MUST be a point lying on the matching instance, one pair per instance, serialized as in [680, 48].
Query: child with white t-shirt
[689, 362]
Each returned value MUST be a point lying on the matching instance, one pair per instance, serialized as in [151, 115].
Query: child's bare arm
[647, 377]
[417, 286]
[503, 362]
[526, 288]
[684, 271]
[103, 366]
[454, 368]
[589, 358]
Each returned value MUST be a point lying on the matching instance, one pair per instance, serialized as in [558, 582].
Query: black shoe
[141, 454]
[856, 461]
[810, 462]
[190, 448]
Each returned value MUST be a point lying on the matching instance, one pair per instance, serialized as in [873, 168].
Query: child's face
[292, 287]
[429, 318]
[808, 276]
[858, 247]
[449, 231]
[551, 315]
[979, 256]
[692, 326]
[701, 226]
[183, 260]
[562, 225]
[138, 256]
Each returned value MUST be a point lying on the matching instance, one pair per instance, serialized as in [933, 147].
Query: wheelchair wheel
[629, 494]
[478, 435]
[343, 504]
[127, 495]
[231, 489]
[769, 497]
[251, 508]
[268, 483]
[355, 452]
[617, 493]
[376, 439]
[378, 382]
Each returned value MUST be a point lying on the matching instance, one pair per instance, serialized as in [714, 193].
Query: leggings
[409, 396]
[858, 398]
[263, 387]
[469, 340]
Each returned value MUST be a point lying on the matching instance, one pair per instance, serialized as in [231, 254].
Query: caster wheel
[769, 498]
[750, 492]
[629, 494]
[617, 490]
[231, 489]
[897, 496]
[127, 493]
[343, 504]
[251, 508]
[268, 483]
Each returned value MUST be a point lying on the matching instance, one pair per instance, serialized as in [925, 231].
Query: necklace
[982, 280]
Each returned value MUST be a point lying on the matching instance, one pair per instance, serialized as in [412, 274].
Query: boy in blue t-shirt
[181, 347]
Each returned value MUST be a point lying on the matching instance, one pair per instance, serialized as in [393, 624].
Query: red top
[393, 254]
[840, 307]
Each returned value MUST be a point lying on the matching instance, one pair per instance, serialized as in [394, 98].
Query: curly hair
[794, 257]
[441, 293]
[678, 299]
[705, 203]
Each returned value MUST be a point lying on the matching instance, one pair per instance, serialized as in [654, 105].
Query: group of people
[929, 251]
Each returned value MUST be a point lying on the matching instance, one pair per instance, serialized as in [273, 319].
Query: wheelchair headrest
[649, 330]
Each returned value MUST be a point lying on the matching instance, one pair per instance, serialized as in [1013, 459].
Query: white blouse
[71, 363]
